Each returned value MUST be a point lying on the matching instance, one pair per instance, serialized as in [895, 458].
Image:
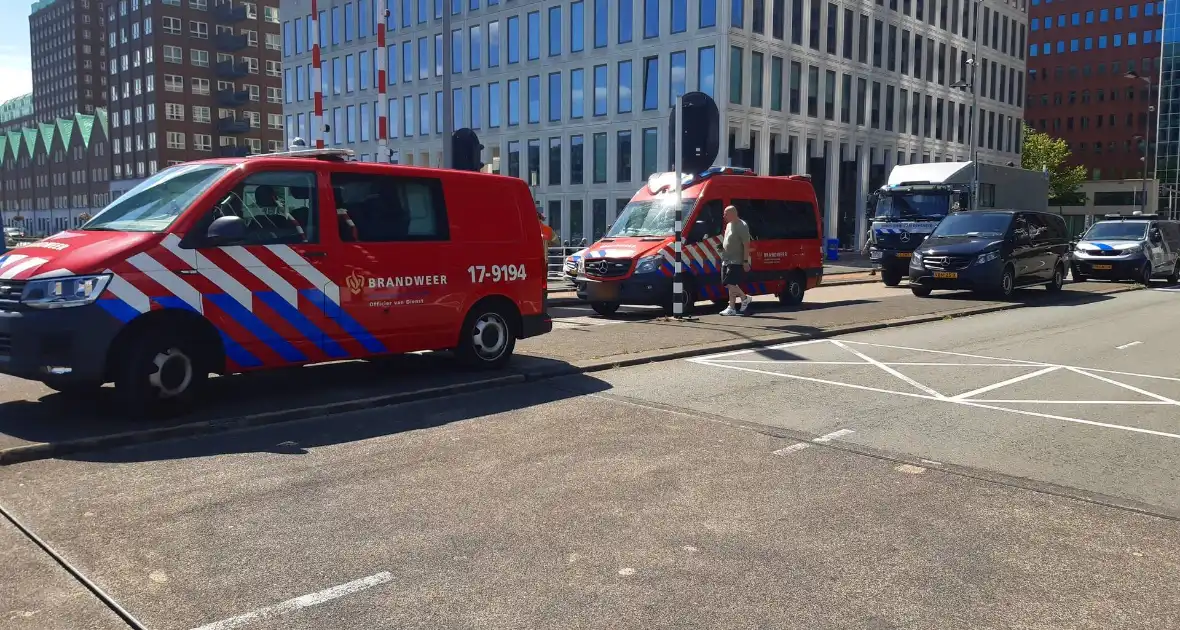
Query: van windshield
[973, 224]
[1116, 231]
[157, 201]
[650, 217]
[913, 206]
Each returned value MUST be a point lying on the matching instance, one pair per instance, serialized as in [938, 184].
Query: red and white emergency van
[635, 262]
[236, 265]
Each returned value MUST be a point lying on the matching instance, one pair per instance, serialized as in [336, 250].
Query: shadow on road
[60, 418]
[296, 437]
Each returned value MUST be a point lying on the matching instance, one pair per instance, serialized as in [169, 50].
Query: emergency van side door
[394, 260]
[263, 288]
[1155, 248]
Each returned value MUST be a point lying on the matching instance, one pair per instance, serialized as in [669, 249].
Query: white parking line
[890, 370]
[303, 601]
[1017, 379]
[823, 439]
[1127, 345]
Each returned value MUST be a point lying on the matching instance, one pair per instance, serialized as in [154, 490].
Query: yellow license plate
[1104, 267]
[950, 275]
[904, 254]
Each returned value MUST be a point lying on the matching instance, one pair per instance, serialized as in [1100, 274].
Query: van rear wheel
[606, 309]
[487, 338]
[1145, 274]
[793, 291]
[890, 278]
[1058, 280]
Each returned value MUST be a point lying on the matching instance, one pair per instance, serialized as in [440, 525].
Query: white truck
[916, 197]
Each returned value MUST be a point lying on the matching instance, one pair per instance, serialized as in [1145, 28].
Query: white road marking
[962, 399]
[1127, 345]
[824, 439]
[1124, 386]
[793, 344]
[890, 370]
[902, 363]
[794, 448]
[1011, 381]
[303, 601]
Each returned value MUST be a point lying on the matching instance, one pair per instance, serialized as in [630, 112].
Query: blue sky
[16, 75]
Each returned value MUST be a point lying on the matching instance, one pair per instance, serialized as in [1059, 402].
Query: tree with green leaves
[1044, 152]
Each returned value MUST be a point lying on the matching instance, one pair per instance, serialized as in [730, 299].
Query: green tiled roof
[24, 142]
[30, 140]
[47, 132]
[65, 127]
[101, 115]
[14, 144]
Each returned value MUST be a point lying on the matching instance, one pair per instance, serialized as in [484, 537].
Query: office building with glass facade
[1168, 156]
[575, 95]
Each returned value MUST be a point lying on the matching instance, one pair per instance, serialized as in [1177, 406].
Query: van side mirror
[226, 231]
[1155, 235]
[698, 232]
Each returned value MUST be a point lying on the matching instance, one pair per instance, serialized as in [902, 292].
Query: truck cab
[902, 217]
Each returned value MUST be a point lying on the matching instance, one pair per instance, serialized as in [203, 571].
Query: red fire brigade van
[270, 261]
[635, 262]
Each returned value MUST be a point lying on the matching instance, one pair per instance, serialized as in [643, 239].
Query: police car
[1138, 247]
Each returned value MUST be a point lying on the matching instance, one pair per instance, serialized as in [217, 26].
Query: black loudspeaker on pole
[693, 143]
[466, 151]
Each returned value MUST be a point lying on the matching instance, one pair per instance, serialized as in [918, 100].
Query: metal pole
[974, 205]
[447, 124]
[317, 83]
[1147, 152]
[677, 279]
[382, 73]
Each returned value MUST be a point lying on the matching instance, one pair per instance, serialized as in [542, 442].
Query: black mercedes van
[992, 251]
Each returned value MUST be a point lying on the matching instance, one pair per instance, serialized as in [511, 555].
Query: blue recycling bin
[833, 249]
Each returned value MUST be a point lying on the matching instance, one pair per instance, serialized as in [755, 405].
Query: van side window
[386, 208]
[777, 219]
[1020, 228]
[1038, 228]
[278, 207]
[1171, 234]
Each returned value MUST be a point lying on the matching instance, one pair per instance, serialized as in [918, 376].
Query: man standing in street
[735, 261]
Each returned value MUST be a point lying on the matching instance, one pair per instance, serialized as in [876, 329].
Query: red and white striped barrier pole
[317, 116]
[382, 95]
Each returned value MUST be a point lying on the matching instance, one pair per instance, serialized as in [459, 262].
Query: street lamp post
[1131, 74]
[974, 87]
[447, 124]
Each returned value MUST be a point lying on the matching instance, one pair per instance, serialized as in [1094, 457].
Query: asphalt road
[677, 495]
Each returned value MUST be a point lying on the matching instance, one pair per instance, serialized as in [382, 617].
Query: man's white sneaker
[745, 305]
[728, 312]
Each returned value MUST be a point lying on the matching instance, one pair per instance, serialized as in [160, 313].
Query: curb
[46, 450]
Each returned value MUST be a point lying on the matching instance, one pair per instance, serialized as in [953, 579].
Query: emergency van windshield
[650, 217]
[1116, 231]
[157, 201]
[902, 205]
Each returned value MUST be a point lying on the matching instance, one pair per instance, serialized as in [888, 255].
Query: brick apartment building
[1093, 80]
[191, 79]
[69, 59]
[54, 173]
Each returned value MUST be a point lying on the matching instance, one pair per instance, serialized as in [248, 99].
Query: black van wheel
[890, 278]
[1145, 274]
[920, 291]
[1007, 283]
[487, 338]
[160, 373]
[1174, 277]
[1077, 275]
[1058, 279]
[606, 309]
[792, 294]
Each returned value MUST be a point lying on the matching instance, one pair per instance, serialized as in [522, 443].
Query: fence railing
[556, 264]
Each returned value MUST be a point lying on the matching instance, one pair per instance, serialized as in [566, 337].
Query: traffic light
[701, 139]
[466, 151]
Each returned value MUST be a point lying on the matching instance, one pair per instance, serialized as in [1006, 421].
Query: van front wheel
[161, 372]
[487, 339]
[1174, 277]
[890, 278]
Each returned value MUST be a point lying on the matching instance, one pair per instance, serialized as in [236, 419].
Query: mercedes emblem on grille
[599, 267]
[905, 236]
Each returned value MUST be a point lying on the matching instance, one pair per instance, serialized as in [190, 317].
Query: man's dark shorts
[732, 274]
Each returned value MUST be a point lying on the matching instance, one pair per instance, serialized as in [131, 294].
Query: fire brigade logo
[356, 282]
